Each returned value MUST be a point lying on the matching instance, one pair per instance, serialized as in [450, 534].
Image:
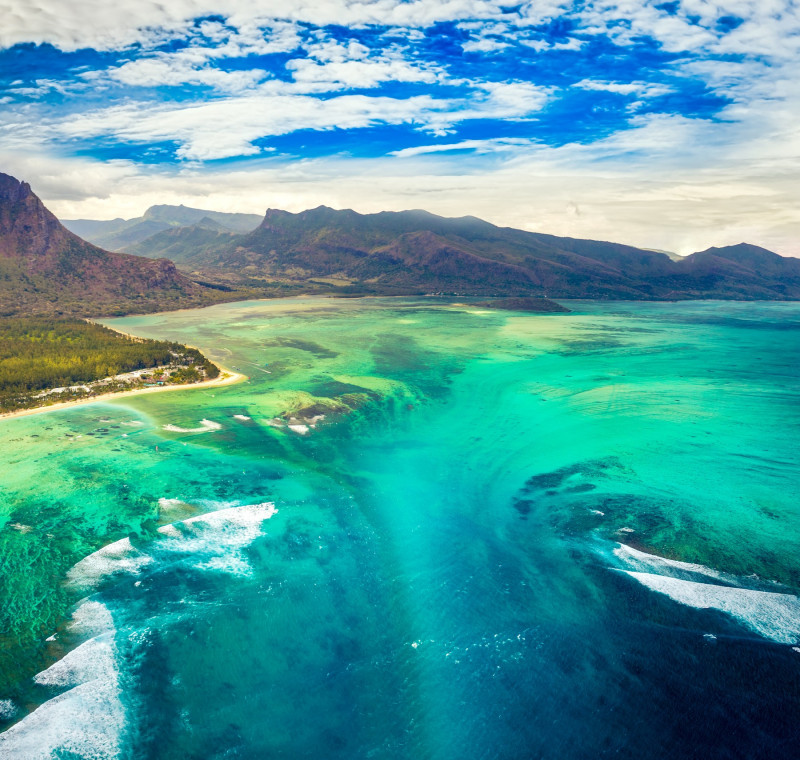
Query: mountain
[122, 234]
[740, 271]
[414, 252]
[46, 269]
[418, 252]
[672, 255]
[183, 244]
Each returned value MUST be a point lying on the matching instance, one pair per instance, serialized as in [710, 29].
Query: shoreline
[226, 377]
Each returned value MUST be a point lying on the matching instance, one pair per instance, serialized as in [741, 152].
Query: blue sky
[666, 124]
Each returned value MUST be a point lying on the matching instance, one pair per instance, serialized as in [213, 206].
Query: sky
[669, 125]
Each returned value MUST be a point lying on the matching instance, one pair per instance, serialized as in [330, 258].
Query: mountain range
[414, 252]
[197, 256]
[46, 269]
[121, 234]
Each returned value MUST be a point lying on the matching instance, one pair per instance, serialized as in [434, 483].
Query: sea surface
[419, 530]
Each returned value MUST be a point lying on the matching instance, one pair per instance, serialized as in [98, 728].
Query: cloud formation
[674, 120]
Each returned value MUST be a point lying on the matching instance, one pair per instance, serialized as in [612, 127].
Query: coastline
[226, 377]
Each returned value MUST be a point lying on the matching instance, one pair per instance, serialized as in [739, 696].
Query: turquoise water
[418, 530]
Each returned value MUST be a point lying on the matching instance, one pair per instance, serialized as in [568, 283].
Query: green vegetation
[38, 355]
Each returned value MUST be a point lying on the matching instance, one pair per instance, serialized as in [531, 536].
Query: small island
[44, 362]
[526, 303]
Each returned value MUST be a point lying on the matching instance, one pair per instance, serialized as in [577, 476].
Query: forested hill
[413, 252]
[37, 354]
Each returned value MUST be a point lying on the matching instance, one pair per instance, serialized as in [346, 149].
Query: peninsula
[48, 364]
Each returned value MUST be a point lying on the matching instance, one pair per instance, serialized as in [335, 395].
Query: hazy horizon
[136, 216]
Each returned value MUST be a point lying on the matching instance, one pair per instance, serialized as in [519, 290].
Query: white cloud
[176, 71]
[491, 145]
[484, 45]
[511, 100]
[486, 37]
[229, 127]
[641, 89]
[69, 180]
[768, 27]
[196, 64]
[112, 26]
[357, 74]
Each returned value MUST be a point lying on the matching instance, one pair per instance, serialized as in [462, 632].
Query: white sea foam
[634, 559]
[205, 426]
[247, 515]
[133, 423]
[212, 536]
[301, 429]
[119, 557]
[91, 618]
[92, 660]
[213, 505]
[219, 537]
[87, 720]
[773, 615]
[169, 530]
[769, 612]
[242, 417]
[7, 709]
[233, 564]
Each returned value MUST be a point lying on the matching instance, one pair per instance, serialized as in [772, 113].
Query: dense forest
[37, 354]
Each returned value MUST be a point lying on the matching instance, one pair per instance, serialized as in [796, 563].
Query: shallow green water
[443, 576]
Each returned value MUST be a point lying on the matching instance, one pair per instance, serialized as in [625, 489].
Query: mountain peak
[740, 250]
[12, 190]
[48, 269]
[743, 254]
[27, 228]
[326, 212]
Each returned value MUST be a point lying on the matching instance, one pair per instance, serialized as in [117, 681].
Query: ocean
[418, 530]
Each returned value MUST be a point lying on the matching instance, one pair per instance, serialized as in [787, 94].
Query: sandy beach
[226, 377]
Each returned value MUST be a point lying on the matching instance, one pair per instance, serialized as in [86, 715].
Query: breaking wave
[772, 614]
[87, 718]
[205, 426]
[216, 539]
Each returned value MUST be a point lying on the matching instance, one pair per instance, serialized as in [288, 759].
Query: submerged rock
[526, 303]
